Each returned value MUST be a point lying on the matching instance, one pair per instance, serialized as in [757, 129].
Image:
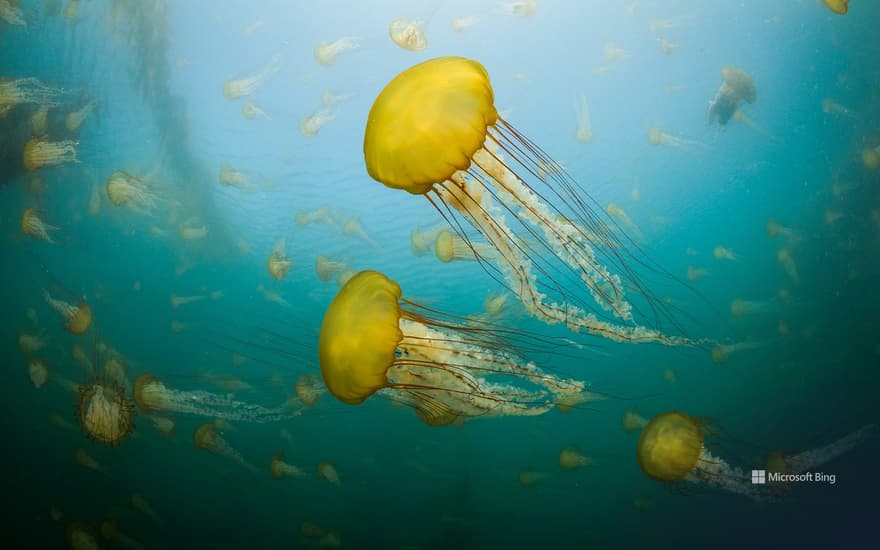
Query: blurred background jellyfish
[584, 130]
[840, 7]
[141, 505]
[86, 461]
[278, 263]
[240, 87]
[327, 471]
[672, 449]
[77, 318]
[39, 153]
[33, 226]
[809, 460]
[206, 437]
[571, 458]
[327, 268]
[408, 34]
[434, 131]
[372, 340]
[81, 537]
[308, 389]
[153, 396]
[280, 469]
[105, 412]
[26, 90]
[38, 372]
[656, 136]
[450, 247]
[130, 191]
[737, 88]
[327, 52]
[119, 539]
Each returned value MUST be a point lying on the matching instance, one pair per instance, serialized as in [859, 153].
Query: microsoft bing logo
[759, 477]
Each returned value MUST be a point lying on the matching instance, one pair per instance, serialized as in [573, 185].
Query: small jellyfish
[30, 343]
[206, 437]
[162, 424]
[324, 214]
[327, 268]
[668, 47]
[831, 216]
[840, 7]
[787, 261]
[190, 231]
[519, 8]
[177, 301]
[584, 129]
[422, 240]
[643, 504]
[280, 469]
[234, 178]
[327, 52]
[775, 229]
[353, 228]
[105, 413]
[75, 119]
[272, 296]
[251, 28]
[312, 124]
[25, 90]
[33, 226]
[278, 263]
[38, 372]
[12, 14]
[669, 375]
[694, 274]
[571, 458]
[613, 52]
[326, 470]
[77, 318]
[38, 153]
[450, 247]
[832, 107]
[871, 157]
[656, 136]
[736, 88]
[723, 254]
[39, 121]
[55, 514]
[71, 10]
[721, 352]
[495, 304]
[238, 88]
[622, 218]
[62, 423]
[79, 535]
[142, 506]
[461, 24]
[330, 99]
[130, 191]
[86, 461]
[408, 34]
[111, 532]
[632, 421]
[528, 478]
[743, 308]
[95, 199]
[79, 354]
[178, 326]
[251, 111]
[308, 389]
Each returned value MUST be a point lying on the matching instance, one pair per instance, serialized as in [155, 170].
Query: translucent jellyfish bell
[238, 88]
[584, 130]
[327, 52]
[77, 318]
[38, 372]
[308, 389]
[409, 34]
[39, 153]
[33, 226]
[278, 263]
[130, 191]
[105, 413]
[279, 469]
[206, 437]
[571, 458]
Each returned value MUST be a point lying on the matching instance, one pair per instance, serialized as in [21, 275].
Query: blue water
[156, 72]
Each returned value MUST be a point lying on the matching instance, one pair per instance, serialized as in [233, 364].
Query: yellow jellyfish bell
[839, 7]
[669, 447]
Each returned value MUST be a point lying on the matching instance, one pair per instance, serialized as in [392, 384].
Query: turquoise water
[156, 73]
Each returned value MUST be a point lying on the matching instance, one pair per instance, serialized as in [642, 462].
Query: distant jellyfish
[668, 47]
[206, 437]
[251, 111]
[584, 128]
[785, 258]
[39, 121]
[669, 375]
[632, 421]
[722, 352]
[308, 389]
[141, 505]
[39, 153]
[694, 274]
[461, 24]
[74, 119]
[131, 191]
[408, 34]
[353, 228]
[528, 478]
[163, 424]
[177, 301]
[81, 357]
[327, 268]
[832, 107]
[279, 469]
[775, 229]
[80, 536]
[737, 88]
[33, 226]
[278, 263]
[840, 7]
[86, 461]
[450, 247]
[38, 372]
[327, 471]
[658, 26]
[330, 99]
[111, 532]
[234, 178]
[722, 253]
[871, 157]
[615, 211]
[613, 52]
[105, 412]
[327, 52]
[571, 458]
[519, 8]
[745, 308]
[238, 88]
[422, 240]
[24, 90]
[30, 343]
[312, 124]
[656, 136]
[77, 318]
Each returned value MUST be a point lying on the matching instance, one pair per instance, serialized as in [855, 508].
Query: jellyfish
[39, 121]
[26, 90]
[234, 178]
[130, 191]
[723, 254]
[178, 326]
[584, 130]
[737, 87]
[250, 29]
[280, 469]
[191, 232]
[78, 353]
[775, 229]
[656, 136]
[784, 257]
[141, 505]
[206, 437]
[312, 124]
[840, 7]
[77, 318]
[39, 153]
[617, 213]
[668, 47]
[792, 464]
[632, 421]
[238, 88]
[95, 199]
[251, 110]
[721, 352]
[519, 8]
[153, 396]
[278, 263]
[11, 13]
[111, 532]
[613, 52]
[495, 304]
[86, 461]
[571, 458]
[177, 301]
[330, 99]
[308, 389]
[694, 274]
[422, 240]
[461, 24]
[326, 470]
[744, 308]
[326, 268]
[327, 52]
[672, 449]
[74, 119]
[665, 25]
[372, 340]
[30, 343]
[71, 11]
[105, 412]
[324, 214]
[528, 478]
[408, 34]
[831, 216]
[38, 372]
[669, 375]
[33, 226]
[62, 423]
[162, 424]
[451, 247]
[79, 535]
[871, 157]
[450, 144]
[354, 228]
[272, 296]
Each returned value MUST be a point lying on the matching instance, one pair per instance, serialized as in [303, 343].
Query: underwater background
[804, 154]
